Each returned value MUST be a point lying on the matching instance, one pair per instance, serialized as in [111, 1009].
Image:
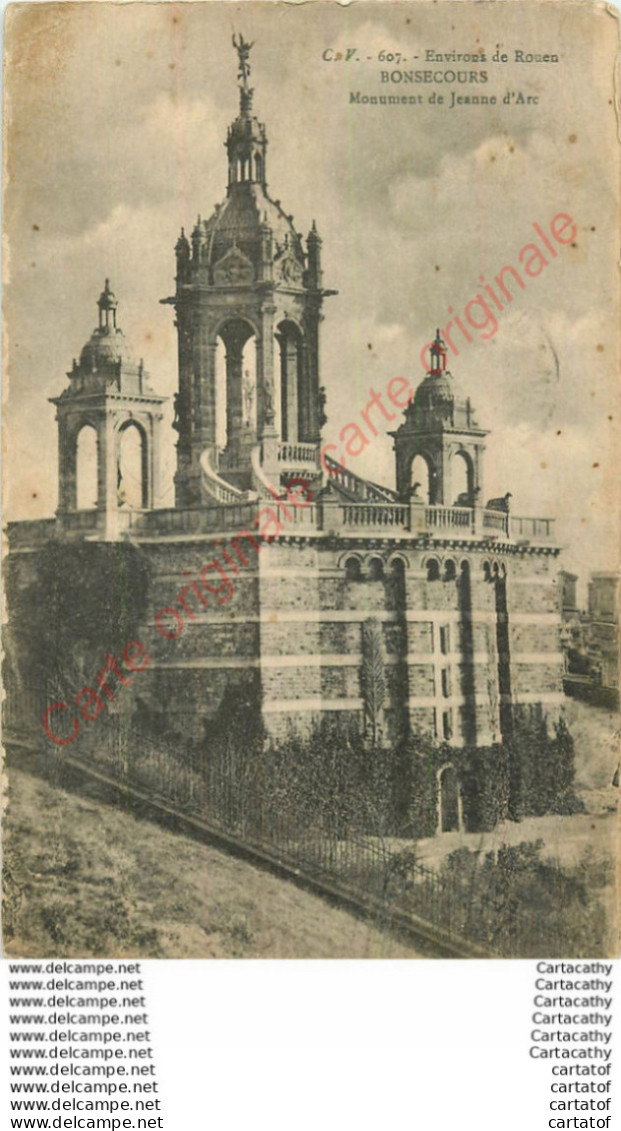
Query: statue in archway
[248, 398]
[268, 402]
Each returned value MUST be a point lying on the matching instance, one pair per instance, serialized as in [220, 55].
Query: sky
[116, 117]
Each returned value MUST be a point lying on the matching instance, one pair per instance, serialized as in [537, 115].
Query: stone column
[295, 407]
[266, 392]
[107, 474]
[443, 478]
[234, 390]
[478, 468]
[309, 419]
[155, 458]
[202, 407]
[205, 388]
[183, 404]
[67, 466]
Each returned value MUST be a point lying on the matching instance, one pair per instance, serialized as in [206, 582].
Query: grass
[83, 879]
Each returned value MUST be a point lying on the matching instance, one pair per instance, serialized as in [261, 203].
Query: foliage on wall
[80, 601]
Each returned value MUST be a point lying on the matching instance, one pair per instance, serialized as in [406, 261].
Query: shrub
[541, 767]
[523, 905]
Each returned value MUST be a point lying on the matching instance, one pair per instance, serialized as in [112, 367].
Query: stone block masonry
[443, 661]
[289, 618]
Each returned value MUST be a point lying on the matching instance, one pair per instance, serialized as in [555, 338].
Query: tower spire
[107, 304]
[246, 141]
[438, 354]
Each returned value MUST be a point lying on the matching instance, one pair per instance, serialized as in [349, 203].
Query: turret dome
[439, 396]
[241, 221]
[105, 348]
[107, 355]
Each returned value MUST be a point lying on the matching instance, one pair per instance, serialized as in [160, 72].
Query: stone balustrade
[360, 488]
[450, 518]
[330, 516]
[80, 522]
[214, 486]
[496, 522]
[29, 534]
[296, 454]
[198, 520]
[365, 515]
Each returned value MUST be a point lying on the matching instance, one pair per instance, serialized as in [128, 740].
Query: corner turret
[110, 399]
[440, 440]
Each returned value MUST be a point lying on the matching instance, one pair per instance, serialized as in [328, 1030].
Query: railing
[297, 453]
[496, 520]
[30, 534]
[329, 515]
[465, 912]
[223, 796]
[452, 912]
[449, 518]
[531, 529]
[374, 515]
[201, 520]
[297, 516]
[260, 481]
[80, 521]
[215, 487]
[360, 488]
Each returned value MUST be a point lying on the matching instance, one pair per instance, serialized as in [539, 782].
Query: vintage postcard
[311, 642]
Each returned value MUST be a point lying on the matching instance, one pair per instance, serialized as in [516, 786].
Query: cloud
[118, 140]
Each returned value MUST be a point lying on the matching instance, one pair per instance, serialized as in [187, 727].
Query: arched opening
[86, 468]
[421, 479]
[397, 566]
[397, 583]
[352, 569]
[132, 479]
[258, 167]
[462, 480]
[236, 384]
[433, 569]
[448, 800]
[292, 408]
[375, 569]
[450, 570]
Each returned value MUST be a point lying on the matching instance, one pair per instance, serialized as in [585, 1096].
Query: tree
[373, 679]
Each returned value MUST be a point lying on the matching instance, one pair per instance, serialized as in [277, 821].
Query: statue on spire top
[243, 51]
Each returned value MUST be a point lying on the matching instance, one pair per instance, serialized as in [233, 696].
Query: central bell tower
[248, 300]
